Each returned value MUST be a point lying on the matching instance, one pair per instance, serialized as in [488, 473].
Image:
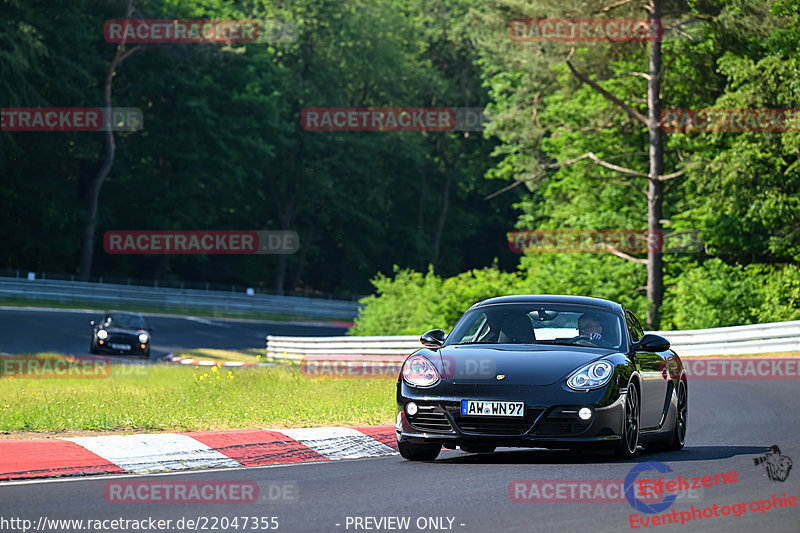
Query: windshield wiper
[560, 343]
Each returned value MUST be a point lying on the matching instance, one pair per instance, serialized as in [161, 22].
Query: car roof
[552, 299]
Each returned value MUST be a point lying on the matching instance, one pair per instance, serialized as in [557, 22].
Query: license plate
[121, 346]
[490, 408]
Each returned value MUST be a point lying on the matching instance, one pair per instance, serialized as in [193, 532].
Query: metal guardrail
[292, 348]
[166, 298]
[775, 337]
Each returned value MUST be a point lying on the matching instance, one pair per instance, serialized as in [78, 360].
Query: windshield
[539, 323]
[125, 321]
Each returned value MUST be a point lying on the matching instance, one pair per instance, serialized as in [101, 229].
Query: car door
[654, 386]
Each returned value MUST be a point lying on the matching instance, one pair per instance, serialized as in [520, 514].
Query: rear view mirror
[543, 314]
[432, 339]
[652, 343]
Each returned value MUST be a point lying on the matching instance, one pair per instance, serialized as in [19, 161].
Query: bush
[413, 303]
[698, 296]
[716, 294]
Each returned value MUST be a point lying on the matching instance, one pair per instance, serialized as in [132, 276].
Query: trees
[222, 146]
[640, 131]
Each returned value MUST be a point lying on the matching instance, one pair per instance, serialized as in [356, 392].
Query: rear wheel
[419, 452]
[626, 447]
[677, 438]
[477, 449]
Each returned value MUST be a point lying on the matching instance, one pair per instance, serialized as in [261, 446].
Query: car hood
[521, 365]
[125, 331]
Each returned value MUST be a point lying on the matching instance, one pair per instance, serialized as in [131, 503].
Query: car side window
[634, 330]
[637, 326]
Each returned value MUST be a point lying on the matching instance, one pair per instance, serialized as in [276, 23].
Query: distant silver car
[121, 333]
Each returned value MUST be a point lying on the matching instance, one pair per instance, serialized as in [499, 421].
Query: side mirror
[652, 343]
[91, 323]
[432, 339]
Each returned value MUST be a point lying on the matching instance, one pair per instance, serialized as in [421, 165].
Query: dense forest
[420, 218]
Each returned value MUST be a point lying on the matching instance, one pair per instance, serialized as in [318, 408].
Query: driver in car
[590, 326]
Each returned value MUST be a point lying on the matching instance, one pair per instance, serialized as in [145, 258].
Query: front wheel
[626, 447]
[677, 438]
[419, 452]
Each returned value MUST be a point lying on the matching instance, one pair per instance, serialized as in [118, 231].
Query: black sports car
[542, 371]
[121, 333]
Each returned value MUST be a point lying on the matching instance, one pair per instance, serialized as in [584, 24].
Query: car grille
[430, 418]
[123, 338]
[496, 425]
[561, 423]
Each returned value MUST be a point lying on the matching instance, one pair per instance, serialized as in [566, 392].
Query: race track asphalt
[731, 423]
[66, 331]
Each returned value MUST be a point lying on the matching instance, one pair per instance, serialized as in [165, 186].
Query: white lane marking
[173, 473]
[154, 453]
[207, 322]
[339, 442]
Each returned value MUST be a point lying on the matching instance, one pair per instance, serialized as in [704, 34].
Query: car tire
[419, 452]
[677, 438]
[626, 447]
[477, 449]
[93, 347]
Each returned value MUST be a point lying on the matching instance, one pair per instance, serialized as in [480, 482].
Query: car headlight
[591, 376]
[420, 372]
[102, 334]
[143, 338]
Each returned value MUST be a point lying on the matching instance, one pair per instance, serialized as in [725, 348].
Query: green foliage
[412, 303]
[223, 148]
[715, 294]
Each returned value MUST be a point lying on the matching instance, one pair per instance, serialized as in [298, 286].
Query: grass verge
[248, 355]
[168, 397]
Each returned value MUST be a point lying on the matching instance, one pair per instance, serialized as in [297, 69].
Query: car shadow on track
[544, 456]
[706, 453]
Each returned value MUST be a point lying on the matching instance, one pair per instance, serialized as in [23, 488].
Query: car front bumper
[554, 424]
[135, 346]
